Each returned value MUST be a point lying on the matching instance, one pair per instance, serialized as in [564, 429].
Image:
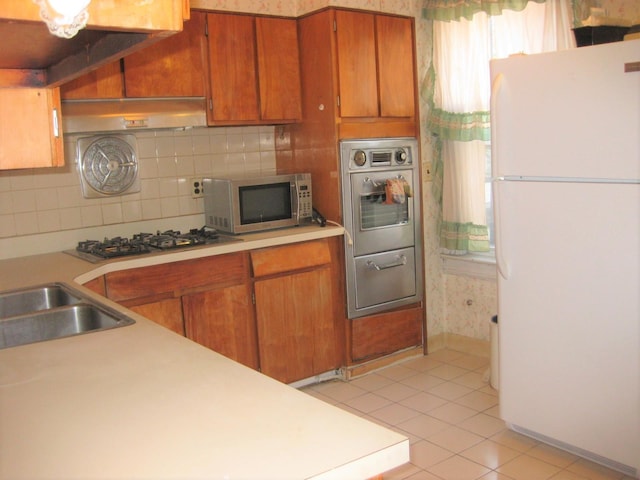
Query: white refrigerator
[566, 189]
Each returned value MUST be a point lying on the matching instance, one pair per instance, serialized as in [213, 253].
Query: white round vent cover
[108, 165]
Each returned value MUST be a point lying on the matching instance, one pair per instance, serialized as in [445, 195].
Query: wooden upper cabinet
[232, 68]
[30, 130]
[394, 44]
[375, 65]
[357, 64]
[254, 69]
[278, 69]
[175, 67]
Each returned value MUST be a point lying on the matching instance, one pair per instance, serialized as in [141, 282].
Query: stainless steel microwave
[244, 205]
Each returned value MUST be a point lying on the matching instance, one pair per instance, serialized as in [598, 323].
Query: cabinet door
[104, 82]
[394, 43]
[357, 64]
[294, 314]
[167, 313]
[278, 69]
[232, 68]
[174, 67]
[222, 320]
[97, 285]
[30, 130]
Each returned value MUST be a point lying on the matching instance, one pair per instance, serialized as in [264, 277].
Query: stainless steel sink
[35, 299]
[52, 311]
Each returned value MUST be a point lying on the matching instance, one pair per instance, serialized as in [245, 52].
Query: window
[465, 39]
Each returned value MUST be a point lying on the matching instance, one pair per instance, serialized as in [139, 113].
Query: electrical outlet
[197, 188]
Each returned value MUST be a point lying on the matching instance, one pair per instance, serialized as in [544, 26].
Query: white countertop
[142, 402]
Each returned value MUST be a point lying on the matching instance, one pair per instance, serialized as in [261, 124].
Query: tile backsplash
[42, 201]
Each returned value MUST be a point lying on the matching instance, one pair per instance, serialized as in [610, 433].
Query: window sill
[479, 265]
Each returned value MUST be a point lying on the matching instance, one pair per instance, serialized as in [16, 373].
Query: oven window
[375, 213]
[265, 203]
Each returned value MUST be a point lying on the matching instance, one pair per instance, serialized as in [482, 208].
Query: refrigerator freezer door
[574, 113]
[569, 314]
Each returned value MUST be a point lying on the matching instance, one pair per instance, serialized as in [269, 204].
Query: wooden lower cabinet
[222, 320]
[295, 325]
[167, 313]
[206, 299]
[299, 334]
[273, 309]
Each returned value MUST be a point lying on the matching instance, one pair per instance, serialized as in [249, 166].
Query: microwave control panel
[305, 202]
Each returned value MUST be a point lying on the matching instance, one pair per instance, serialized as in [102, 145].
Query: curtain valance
[448, 10]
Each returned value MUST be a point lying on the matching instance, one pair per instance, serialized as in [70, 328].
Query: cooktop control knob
[359, 158]
[401, 157]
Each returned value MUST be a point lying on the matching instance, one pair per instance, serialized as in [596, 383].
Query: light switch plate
[426, 171]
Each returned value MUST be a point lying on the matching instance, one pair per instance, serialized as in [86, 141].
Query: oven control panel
[377, 153]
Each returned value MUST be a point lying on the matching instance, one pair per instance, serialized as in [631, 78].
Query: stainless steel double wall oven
[380, 199]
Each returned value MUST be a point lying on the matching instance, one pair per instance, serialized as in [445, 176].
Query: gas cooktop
[142, 243]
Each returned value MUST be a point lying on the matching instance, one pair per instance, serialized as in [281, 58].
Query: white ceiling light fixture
[64, 17]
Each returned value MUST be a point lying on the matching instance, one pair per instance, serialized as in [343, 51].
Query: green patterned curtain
[463, 127]
[459, 129]
[448, 10]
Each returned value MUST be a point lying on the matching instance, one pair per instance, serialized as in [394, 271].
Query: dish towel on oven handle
[397, 190]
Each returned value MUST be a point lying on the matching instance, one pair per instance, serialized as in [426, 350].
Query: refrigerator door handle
[503, 267]
[501, 263]
[495, 91]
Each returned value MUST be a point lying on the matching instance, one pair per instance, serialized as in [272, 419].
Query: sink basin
[35, 299]
[52, 311]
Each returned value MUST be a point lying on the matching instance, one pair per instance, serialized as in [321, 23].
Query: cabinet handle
[402, 260]
[56, 125]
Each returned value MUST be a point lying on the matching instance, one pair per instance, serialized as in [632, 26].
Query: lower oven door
[383, 280]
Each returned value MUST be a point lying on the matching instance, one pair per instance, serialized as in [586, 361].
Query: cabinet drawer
[274, 260]
[177, 277]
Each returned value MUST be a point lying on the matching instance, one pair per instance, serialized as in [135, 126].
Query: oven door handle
[378, 183]
[402, 260]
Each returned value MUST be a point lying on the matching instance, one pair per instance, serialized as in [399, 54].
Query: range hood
[130, 114]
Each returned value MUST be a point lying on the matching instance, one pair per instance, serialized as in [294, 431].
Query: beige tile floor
[450, 414]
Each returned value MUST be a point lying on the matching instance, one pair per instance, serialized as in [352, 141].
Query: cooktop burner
[141, 243]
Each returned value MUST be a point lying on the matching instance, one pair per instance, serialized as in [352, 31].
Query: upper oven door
[383, 219]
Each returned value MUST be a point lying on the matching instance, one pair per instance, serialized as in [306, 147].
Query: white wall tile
[47, 199]
[183, 145]
[167, 167]
[23, 201]
[33, 201]
[147, 147]
[235, 143]
[91, 215]
[6, 205]
[48, 221]
[132, 211]
[26, 223]
[151, 209]
[70, 218]
[112, 214]
[168, 187]
[169, 207]
[7, 226]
